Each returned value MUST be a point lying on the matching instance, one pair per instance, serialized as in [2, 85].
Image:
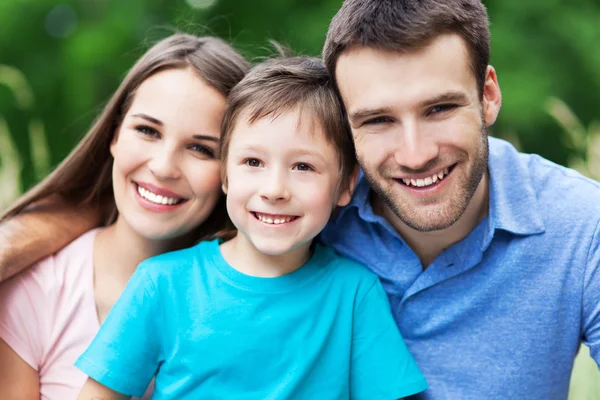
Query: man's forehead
[375, 77]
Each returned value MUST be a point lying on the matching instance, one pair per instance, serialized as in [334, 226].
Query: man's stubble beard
[459, 199]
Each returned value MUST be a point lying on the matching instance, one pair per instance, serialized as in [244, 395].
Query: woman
[154, 149]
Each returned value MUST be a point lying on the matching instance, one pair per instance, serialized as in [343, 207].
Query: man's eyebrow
[363, 113]
[448, 97]
[148, 118]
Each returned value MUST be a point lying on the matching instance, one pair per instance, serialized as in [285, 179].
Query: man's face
[419, 127]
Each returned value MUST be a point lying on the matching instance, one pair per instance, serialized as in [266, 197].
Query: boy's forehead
[295, 128]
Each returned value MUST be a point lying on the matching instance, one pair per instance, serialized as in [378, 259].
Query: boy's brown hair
[289, 83]
[407, 25]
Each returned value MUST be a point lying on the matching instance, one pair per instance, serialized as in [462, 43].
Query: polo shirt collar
[513, 204]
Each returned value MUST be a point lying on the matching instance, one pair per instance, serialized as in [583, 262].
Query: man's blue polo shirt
[500, 314]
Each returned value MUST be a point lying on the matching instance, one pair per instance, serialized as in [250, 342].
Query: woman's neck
[118, 250]
[242, 255]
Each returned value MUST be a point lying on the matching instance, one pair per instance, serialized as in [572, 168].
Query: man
[490, 258]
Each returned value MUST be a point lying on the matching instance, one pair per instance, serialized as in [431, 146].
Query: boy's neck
[242, 255]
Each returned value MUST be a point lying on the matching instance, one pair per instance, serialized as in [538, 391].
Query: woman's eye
[253, 162]
[303, 167]
[204, 150]
[147, 130]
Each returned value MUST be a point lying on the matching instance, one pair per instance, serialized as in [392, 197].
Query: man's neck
[429, 245]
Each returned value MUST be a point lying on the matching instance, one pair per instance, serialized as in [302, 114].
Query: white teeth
[273, 221]
[155, 198]
[430, 180]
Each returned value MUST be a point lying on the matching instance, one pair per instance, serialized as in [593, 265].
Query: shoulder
[180, 263]
[68, 267]
[343, 270]
[563, 194]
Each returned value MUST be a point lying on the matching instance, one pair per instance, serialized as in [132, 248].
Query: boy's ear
[346, 195]
[224, 186]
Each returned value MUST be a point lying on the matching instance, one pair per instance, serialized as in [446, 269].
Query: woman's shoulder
[69, 265]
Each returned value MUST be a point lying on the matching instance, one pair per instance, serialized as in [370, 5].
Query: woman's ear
[113, 142]
[346, 195]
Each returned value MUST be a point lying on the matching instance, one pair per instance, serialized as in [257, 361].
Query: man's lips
[426, 180]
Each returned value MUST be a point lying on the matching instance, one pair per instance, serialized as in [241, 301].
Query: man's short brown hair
[406, 25]
[291, 83]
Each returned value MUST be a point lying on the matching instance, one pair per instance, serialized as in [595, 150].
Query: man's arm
[41, 230]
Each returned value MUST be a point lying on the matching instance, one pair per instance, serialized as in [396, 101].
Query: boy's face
[282, 179]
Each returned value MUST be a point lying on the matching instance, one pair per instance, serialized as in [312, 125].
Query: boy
[267, 314]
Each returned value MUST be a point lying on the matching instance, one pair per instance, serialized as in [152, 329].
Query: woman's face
[166, 175]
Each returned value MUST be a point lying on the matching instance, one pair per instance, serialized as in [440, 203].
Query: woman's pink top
[48, 316]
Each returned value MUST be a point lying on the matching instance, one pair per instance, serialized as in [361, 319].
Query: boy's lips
[274, 219]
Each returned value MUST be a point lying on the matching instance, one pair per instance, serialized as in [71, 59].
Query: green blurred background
[61, 60]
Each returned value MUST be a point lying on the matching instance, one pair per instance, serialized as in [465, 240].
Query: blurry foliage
[73, 53]
[61, 60]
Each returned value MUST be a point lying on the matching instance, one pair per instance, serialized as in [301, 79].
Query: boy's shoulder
[341, 266]
[183, 261]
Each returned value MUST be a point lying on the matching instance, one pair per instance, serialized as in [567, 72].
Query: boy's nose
[275, 188]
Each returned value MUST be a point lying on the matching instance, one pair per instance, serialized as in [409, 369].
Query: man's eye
[303, 167]
[440, 108]
[253, 162]
[377, 120]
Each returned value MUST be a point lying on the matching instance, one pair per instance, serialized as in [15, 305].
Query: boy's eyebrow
[309, 152]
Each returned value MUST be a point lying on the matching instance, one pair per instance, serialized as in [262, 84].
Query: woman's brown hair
[85, 176]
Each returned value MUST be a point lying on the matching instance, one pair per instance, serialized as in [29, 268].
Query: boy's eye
[253, 162]
[303, 167]
[203, 150]
[147, 130]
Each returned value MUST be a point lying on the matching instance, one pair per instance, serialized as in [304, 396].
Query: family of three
[450, 266]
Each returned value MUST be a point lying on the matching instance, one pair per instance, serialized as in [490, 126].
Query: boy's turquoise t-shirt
[207, 331]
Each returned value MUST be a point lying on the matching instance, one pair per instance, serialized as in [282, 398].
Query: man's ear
[492, 98]
[346, 195]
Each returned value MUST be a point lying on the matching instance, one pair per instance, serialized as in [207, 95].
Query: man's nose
[415, 147]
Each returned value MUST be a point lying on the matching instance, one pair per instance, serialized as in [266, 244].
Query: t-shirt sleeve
[27, 302]
[382, 367]
[591, 299]
[124, 355]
